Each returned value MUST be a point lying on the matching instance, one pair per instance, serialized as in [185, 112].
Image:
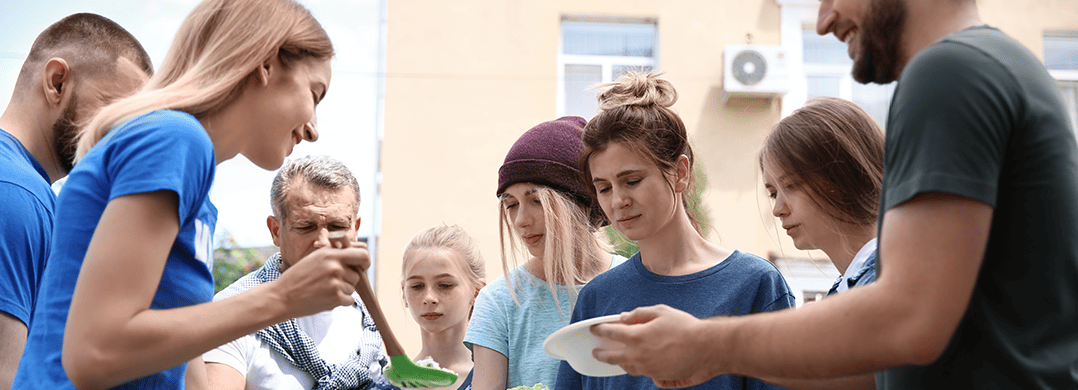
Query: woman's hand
[324, 279]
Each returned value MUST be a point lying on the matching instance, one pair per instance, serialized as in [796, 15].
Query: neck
[35, 134]
[226, 144]
[932, 20]
[847, 244]
[677, 249]
[446, 347]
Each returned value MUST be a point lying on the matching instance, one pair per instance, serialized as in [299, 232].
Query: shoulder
[970, 61]
[750, 263]
[175, 127]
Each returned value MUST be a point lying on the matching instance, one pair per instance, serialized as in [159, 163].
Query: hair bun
[637, 89]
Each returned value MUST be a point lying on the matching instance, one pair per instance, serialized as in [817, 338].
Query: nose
[618, 199]
[779, 209]
[825, 18]
[429, 298]
[310, 130]
[522, 218]
[323, 239]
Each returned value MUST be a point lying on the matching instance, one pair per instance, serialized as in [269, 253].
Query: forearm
[801, 343]
[155, 340]
[856, 382]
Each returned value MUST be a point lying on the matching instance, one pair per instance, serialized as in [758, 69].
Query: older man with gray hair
[336, 349]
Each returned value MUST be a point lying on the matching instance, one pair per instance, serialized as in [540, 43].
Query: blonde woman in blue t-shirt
[545, 207]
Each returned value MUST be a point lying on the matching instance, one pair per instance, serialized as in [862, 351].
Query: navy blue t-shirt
[162, 150]
[739, 285]
[25, 226]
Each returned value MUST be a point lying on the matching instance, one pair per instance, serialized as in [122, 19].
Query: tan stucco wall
[465, 78]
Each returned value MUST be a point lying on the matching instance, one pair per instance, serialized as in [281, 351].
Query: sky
[348, 117]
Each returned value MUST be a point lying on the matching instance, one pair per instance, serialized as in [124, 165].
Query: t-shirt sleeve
[25, 225]
[489, 325]
[235, 354]
[949, 125]
[162, 151]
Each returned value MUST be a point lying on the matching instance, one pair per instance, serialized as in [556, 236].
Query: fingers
[641, 315]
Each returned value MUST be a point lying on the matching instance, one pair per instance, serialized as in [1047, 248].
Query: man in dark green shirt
[978, 250]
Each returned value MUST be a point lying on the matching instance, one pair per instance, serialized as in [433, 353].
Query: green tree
[231, 262]
[694, 197]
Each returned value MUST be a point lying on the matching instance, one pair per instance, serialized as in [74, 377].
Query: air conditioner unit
[755, 71]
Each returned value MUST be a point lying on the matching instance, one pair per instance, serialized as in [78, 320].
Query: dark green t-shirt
[977, 115]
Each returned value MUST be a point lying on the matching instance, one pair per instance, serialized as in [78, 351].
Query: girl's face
[635, 195]
[525, 211]
[436, 291]
[283, 109]
[804, 221]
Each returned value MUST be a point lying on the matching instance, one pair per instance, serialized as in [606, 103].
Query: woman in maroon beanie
[546, 207]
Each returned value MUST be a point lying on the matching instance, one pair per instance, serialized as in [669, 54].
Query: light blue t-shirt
[162, 150]
[518, 330]
[25, 227]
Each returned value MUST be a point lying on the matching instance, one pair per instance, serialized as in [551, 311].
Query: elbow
[923, 342]
[85, 367]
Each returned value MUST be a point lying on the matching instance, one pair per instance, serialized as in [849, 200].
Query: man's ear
[358, 220]
[54, 80]
[274, 226]
[684, 173]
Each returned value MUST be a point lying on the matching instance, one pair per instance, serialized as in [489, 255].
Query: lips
[532, 239]
[628, 219]
[431, 316]
[788, 227]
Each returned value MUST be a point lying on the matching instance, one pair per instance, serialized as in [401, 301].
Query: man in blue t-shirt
[977, 253]
[75, 67]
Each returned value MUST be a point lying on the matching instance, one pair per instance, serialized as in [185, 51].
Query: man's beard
[65, 135]
[881, 42]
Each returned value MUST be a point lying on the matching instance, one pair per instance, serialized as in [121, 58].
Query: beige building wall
[465, 78]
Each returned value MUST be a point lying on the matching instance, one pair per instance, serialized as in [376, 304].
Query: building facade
[465, 78]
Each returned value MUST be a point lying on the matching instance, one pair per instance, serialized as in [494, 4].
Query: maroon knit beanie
[547, 154]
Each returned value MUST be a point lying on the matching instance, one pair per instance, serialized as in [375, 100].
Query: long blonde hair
[569, 251]
[219, 45]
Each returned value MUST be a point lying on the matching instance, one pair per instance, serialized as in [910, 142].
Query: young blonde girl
[125, 300]
[546, 209]
[638, 159]
[441, 275]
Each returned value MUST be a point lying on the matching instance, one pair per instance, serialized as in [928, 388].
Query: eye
[772, 194]
[417, 286]
[602, 189]
[536, 201]
[445, 285]
[634, 182]
[510, 206]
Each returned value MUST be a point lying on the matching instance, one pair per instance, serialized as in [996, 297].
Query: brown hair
[90, 43]
[635, 112]
[836, 150]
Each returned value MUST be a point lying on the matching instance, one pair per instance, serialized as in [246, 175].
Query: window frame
[607, 63]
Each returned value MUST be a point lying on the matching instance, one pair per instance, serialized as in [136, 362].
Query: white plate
[574, 344]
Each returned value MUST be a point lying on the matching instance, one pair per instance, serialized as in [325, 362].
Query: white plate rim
[548, 343]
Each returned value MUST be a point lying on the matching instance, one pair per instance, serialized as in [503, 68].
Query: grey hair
[320, 171]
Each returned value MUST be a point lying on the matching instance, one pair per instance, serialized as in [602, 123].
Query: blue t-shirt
[162, 150]
[517, 330]
[25, 227]
[741, 284]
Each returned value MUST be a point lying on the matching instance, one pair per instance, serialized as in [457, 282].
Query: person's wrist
[716, 345]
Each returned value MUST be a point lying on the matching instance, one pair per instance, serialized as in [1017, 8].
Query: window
[827, 73]
[1061, 58]
[597, 50]
[820, 65]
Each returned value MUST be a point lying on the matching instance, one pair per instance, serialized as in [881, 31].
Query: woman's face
[283, 112]
[804, 221]
[525, 211]
[633, 192]
[436, 291]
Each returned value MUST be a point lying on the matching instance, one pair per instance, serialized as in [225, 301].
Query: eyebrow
[435, 276]
[619, 175]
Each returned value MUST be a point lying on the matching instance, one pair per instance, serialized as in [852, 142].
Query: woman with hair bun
[638, 159]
